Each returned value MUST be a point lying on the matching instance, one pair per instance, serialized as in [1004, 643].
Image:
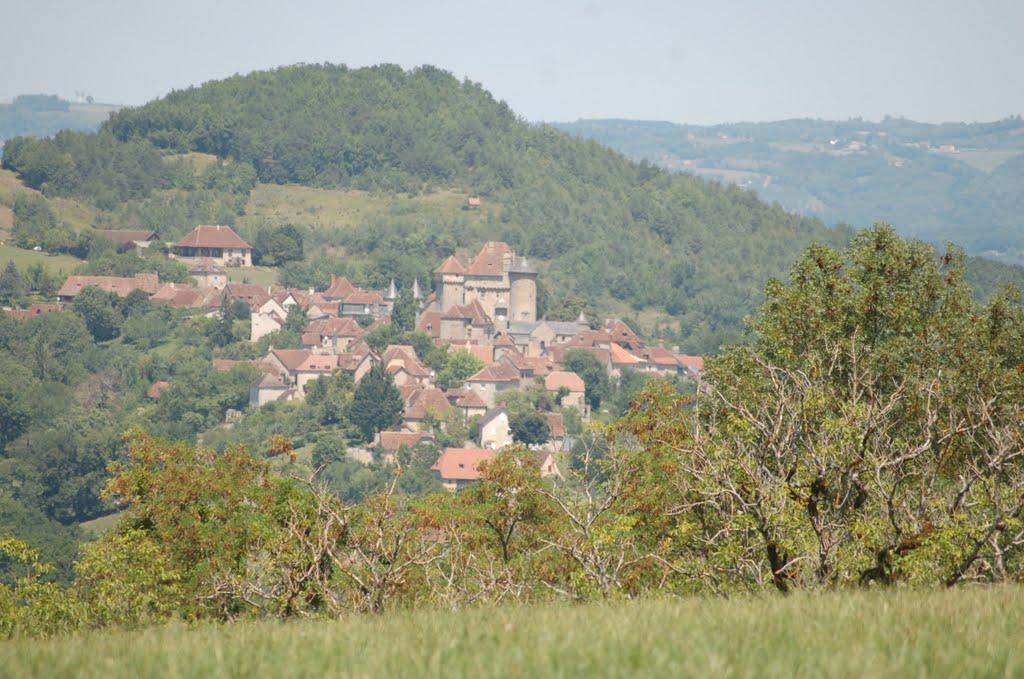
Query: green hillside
[606, 232]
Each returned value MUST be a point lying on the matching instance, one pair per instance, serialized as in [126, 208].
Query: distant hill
[41, 115]
[684, 257]
[954, 181]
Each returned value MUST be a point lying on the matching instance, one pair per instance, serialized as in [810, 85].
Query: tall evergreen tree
[376, 403]
[403, 314]
[12, 285]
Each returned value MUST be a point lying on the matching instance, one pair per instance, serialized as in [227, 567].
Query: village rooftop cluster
[487, 307]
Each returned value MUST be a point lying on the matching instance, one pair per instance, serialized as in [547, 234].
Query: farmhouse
[218, 243]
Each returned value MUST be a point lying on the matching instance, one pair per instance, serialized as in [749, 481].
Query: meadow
[894, 633]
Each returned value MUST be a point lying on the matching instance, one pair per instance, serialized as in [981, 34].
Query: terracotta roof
[470, 400]
[430, 399]
[491, 259]
[291, 359]
[364, 297]
[319, 363]
[620, 356]
[253, 295]
[34, 310]
[147, 282]
[430, 323]
[622, 333]
[335, 327]
[271, 380]
[496, 372]
[391, 441]
[695, 363]
[181, 296]
[450, 265]
[660, 356]
[348, 362]
[473, 201]
[564, 378]
[339, 287]
[462, 464]
[540, 365]
[556, 425]
[213, 236]
[125, 236]
[504, 340]
[483, 352]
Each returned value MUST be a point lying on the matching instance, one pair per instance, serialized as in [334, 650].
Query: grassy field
[965, 632]
[315, 208]
[258, 275]
[60, 266]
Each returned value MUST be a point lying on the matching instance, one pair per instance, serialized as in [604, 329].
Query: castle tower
[522, 280]
[450, 284]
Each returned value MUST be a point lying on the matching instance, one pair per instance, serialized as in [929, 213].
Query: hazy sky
[553, 60]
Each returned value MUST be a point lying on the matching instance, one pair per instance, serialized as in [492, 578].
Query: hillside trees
[872, 430]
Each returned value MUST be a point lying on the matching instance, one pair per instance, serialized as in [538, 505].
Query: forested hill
[607, 231]
[952, 181]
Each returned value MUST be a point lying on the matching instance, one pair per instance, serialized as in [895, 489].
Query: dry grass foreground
[963, 632]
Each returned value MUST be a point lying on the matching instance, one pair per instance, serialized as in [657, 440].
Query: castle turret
[522, 280]
[450, 284]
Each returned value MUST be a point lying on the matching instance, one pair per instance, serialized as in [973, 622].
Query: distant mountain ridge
[938, 182]
[41, 115]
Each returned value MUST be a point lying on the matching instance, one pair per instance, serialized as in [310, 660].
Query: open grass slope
[863, 634]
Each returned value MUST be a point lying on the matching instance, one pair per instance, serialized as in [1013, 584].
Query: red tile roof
[428, 400]
[391, 441]
[450, 265]
[319, 363]
[335, 327]
[556, 425]
[34, 310]
[213, 236]
[430, 323]
[491, 259]
[497, 372]
[621, 356]
[147, 282]
[562, 378]
[462, 464]
[339, 287]
[291, 359]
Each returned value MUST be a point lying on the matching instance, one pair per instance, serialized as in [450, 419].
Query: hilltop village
[486, 307]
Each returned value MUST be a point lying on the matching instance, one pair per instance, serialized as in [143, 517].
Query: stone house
[495, 431]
